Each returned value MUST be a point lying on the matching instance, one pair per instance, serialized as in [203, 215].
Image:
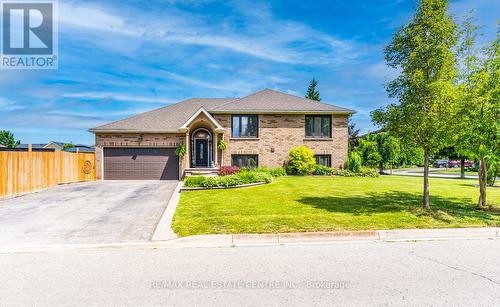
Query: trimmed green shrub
[277, 172]
[301, 161]
[254, 176]
[242, 177]
[229, 181]
[354, 162]
[194, 181]
[322, 170]
[368, 172]
[364, 172]
[211, 182]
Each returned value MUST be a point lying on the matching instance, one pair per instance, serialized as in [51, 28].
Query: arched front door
[201, 145]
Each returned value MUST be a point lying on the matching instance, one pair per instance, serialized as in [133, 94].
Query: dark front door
[201, 147]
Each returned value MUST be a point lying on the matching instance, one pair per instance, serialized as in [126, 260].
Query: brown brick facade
[278, 134]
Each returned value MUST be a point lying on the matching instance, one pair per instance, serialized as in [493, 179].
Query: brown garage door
[140, 164]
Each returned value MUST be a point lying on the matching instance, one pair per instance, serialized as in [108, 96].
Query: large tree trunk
[483, 180]
[462, 168]
[427, 204]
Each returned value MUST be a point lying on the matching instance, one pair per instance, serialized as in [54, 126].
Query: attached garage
[140, 164]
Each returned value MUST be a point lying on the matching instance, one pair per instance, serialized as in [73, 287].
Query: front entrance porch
[202, 148]
[202, 134]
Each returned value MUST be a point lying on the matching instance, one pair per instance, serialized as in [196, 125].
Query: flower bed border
[248, 185]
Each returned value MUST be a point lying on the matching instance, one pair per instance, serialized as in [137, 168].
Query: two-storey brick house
[259, 129]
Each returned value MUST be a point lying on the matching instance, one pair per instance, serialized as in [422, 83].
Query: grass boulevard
[314, 203]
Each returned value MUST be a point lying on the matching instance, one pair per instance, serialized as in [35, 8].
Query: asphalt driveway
[90, 212]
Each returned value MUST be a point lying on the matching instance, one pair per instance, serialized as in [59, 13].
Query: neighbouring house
[260, 130]
[56, 146]
[81, 148]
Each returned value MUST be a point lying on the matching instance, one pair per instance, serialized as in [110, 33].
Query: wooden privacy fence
[22, 172]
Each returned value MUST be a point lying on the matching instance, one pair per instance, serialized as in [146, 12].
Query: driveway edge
[163, 230]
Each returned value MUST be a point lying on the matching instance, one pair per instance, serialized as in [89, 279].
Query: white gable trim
[218, 126]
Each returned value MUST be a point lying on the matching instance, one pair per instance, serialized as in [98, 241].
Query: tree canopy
[423, 51]
[7, 139]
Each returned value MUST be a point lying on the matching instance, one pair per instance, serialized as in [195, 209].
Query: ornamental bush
[229, 181]
[277, 172]
[242, 177]
[363, 172]
[322, 170]
[254, 176]
[228, 170]
[354, 162]
[301, 161]
[194, 181]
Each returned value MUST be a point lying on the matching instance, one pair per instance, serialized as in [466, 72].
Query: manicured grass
[293, 204]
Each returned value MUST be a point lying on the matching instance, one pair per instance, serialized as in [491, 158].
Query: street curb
[234, 240]
[227, 240]
[163, 230]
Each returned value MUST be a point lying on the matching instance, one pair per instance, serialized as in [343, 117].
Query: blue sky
[120, 58]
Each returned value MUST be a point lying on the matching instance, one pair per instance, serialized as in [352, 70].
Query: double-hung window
[245, 160]
[318, 126]
[325, 160]
[245, 126]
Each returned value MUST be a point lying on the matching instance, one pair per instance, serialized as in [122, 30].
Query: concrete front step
[208, 172]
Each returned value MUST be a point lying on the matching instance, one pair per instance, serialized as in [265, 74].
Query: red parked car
[456, 163]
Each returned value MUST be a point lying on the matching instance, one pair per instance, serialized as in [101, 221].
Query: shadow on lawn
[442, 209]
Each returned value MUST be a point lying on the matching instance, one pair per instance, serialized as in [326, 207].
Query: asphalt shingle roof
[272, 101]
[172, 117]
[166, 119]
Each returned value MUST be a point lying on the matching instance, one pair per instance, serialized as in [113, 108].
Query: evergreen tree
[7, 139]
[312, 91]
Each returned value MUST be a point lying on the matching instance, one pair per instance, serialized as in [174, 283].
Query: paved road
[91, 212]
[419, 172]
[453, 273]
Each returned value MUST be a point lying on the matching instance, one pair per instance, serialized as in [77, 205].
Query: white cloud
[118, 97]
[381, 71]
[7, 104]
[264, 37]
[231, 86]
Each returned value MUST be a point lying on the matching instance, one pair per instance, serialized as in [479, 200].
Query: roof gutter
[132, 131]
[347, 112]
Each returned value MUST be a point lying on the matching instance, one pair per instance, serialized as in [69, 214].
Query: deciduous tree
[423, 52]
[480, 97]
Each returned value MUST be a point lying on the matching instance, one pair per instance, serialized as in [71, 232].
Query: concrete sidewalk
[321, 237]
[235, 240]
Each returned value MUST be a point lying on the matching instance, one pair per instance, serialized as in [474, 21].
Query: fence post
[30, 165]
[78, 169]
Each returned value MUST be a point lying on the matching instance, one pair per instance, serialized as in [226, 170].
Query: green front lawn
[292, 204]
